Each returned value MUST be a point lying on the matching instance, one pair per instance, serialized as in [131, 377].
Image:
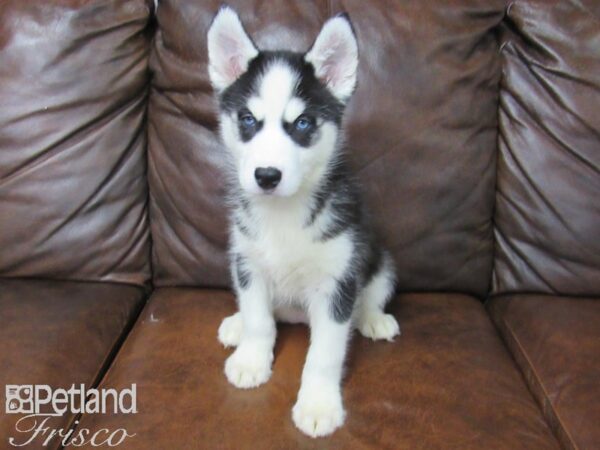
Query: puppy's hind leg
[370, 318]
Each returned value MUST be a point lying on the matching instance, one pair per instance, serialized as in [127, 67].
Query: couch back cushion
[421, 132]
[548, 199]
[73, 88]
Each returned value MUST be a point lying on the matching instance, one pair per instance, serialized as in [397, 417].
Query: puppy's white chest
[295, 263]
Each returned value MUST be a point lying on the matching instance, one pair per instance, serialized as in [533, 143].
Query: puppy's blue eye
[248, 120]
[302, 124]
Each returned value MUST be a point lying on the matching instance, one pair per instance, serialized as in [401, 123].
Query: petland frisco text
[40, 403]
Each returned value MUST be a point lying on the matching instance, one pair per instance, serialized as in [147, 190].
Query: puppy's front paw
[378, 325]
[248, 367]
[318, 412]
[230, 331]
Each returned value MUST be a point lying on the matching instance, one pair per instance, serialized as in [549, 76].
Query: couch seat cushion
[59, 333]
[447, 382]
[556, 342]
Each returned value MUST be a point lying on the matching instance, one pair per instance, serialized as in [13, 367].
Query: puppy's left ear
[334, 55]
[229, 49]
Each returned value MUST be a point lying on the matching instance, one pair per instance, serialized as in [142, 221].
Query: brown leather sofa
[475, 131]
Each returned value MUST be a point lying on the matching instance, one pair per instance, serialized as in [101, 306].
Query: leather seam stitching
[521, 350]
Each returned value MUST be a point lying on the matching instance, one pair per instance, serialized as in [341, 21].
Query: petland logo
[39, 403]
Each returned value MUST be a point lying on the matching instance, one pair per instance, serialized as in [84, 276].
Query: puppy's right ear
[229, 49]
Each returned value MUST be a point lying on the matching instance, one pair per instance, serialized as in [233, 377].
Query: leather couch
[475, 131]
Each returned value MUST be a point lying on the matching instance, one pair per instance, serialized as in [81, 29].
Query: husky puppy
[301, 246]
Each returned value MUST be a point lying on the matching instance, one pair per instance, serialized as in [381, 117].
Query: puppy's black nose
[267, 177]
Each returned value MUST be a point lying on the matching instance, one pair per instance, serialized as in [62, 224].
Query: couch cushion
[422, 133]
[547, 210]
[58, 334]
[556, 342]
[73, 82]
[447, 382]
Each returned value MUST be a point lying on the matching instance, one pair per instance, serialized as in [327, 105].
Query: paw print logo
[19, 399]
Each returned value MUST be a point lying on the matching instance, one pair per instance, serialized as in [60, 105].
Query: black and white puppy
[301, 247]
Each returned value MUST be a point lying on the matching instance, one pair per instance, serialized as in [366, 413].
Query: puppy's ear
[229, 49]
[334, 56]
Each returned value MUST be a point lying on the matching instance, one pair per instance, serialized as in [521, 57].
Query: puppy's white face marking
[294, 108]
[275, 106]
[276, 88]
[257, 108]
[271, 147]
